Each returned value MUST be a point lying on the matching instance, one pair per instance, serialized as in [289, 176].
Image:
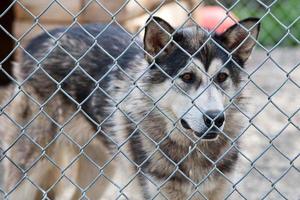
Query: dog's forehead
[200, 46]
[215, 65]
[192, 45]
[194, 35]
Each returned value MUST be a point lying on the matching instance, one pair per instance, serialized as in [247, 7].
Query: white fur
[177, 105]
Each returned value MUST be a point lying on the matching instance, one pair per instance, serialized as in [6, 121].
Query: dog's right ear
[157, 38]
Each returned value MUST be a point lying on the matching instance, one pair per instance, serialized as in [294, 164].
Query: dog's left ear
[241, 38]
[157, 38]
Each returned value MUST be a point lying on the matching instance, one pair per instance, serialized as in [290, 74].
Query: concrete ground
[270, 154]
[269, 167]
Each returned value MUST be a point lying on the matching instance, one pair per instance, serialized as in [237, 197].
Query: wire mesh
[53, 148]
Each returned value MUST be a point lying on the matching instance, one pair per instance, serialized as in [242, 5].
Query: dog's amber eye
[187, 77]
[221, 77]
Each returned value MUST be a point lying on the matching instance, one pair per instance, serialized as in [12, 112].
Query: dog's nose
[214, 116]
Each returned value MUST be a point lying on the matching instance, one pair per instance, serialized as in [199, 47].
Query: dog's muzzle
[213, 120]
[208, 134]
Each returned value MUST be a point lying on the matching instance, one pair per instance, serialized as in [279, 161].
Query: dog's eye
[221, 77]
[187, 77]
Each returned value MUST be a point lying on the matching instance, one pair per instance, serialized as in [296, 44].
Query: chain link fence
[50, 145]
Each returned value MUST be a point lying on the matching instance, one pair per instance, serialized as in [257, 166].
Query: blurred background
[23, 19]
[270, 163]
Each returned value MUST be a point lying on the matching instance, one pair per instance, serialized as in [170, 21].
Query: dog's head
[194, 75]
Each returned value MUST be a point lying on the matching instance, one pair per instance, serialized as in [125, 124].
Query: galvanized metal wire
[228, 6]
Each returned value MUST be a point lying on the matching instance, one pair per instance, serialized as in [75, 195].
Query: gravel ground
[270, 153]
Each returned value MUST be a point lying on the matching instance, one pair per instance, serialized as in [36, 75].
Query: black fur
[82, 65]
[55, 61]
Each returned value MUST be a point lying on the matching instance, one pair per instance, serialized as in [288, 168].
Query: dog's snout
[185, 124]
[214, 116]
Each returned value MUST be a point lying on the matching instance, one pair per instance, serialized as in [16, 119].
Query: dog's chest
[186, 177]
[162, 189]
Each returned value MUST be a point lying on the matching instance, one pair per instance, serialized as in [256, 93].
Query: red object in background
[210, 17]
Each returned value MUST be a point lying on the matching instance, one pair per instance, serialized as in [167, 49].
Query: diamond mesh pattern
[268, 165]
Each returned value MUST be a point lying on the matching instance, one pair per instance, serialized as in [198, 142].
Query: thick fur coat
[105, 115]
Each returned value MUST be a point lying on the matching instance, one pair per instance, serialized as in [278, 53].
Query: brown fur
[24, 150]
[146, 151]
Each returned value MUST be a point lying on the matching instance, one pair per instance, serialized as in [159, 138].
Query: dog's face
[194, 76]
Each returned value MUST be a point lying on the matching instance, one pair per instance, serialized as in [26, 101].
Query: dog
[102, 115]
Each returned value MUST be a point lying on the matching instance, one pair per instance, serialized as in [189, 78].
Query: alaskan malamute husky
[104, 116]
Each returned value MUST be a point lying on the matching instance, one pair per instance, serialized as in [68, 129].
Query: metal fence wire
[83, 119]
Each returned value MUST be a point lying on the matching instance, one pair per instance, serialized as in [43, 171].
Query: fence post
[7, 43]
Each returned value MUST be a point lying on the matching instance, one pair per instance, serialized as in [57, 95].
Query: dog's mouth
[210, 134]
